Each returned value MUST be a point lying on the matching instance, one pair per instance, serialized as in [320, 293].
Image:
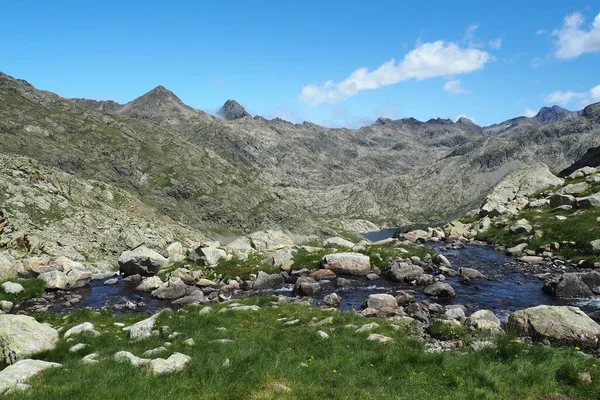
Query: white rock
[77, 347]
[322, 335]
[23, 336]
[90, 358]
[176, 362]
[12, 288]
[15, 375]
[142, 329]
[379, 338]
[79, 329]
[367, 327]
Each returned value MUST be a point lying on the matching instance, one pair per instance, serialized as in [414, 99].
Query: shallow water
[504, 291]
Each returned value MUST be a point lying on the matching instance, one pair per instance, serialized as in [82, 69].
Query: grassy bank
[265, 352]
[573, 234]
[31, 288]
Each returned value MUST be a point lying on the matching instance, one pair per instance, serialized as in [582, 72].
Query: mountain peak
[554, 114]
[233, 110]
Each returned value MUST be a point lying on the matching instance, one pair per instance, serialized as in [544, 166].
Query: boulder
[594, 246]
[70, 279]
[347, 263]
[483, 319]
[142, 329]
[321, 274]
[581, 172]
[306, 286]
[195, 297]
[9, 267]
[574, 285]
[557, 200]
[173, 289]
[142, 261]
[404, 272]
[211, 254]
[176, 252]
[337, 242]
[23, 336]
[521, 226]
[268, 281]
[332, 300]
[12, 288]
[517, 250]
[440, 289]
[149, 284]
[176, 362]
[15, 376]
[574, 188]
[241, 245]
[381, 302]
[539, 203]
[283, 258]
[470, 273]
[79, 329]
[588, 201]
[564, 324]
[270, 240]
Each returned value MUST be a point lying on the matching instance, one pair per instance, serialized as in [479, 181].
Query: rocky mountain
[591, 158]
[219, 175]
[554, 114]
[232, 110]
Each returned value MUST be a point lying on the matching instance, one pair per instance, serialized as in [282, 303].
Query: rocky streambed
[505, 285]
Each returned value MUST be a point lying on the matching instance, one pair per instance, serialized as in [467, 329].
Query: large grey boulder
[23, 336]
[71, 279]
[9, 267]
[404, 272]
[574, 285]
[174, 288]
[149, 284]
[574, 188]
[564, 324]
[142, 261]
[306, 286]
[521, 226]
[210, 254]
[347, 263]
[470, 273]
[440, 289]
[381, 302]
[483, 319]
[14, 377]
[270, 240]
[268, 281]
[142, 329]
[241, 245]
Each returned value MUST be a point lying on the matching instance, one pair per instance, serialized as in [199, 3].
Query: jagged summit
[232, 110]
[465, 121]
[554, 114]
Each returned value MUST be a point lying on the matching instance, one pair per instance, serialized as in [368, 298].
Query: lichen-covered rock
[567, 324]
[440, 289]
[270, 240]
[404, 272]
[14, 377]
[23, 336]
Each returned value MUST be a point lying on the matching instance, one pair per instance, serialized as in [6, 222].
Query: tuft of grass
[32, 288]
[242, 268]
[440, 330]
[264, 352]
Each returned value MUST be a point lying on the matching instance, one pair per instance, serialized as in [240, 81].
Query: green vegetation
[381, 255]
[242, 268]
[264, 352]
[32, 288]
[443, 331]
[573, 235]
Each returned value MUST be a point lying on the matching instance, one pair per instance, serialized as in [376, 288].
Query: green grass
[265, 352]
[32, 288]
[242, 268]
[442, 331]
[580, 227]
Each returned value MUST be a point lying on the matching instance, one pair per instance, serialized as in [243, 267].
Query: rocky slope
[251, 173]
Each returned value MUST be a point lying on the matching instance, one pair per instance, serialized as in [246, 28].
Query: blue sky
[337, 63]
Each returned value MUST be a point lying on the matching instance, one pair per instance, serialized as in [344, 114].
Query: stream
[505, 290]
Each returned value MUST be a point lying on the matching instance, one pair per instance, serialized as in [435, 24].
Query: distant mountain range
[234, 172]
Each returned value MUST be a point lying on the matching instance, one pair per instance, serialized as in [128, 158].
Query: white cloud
[427, 60]
[541, 31]
[567, 97]
[455, 86]
[496, 43]
[528, 112]
[574, 41]
[537, 62]
[470, 36]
